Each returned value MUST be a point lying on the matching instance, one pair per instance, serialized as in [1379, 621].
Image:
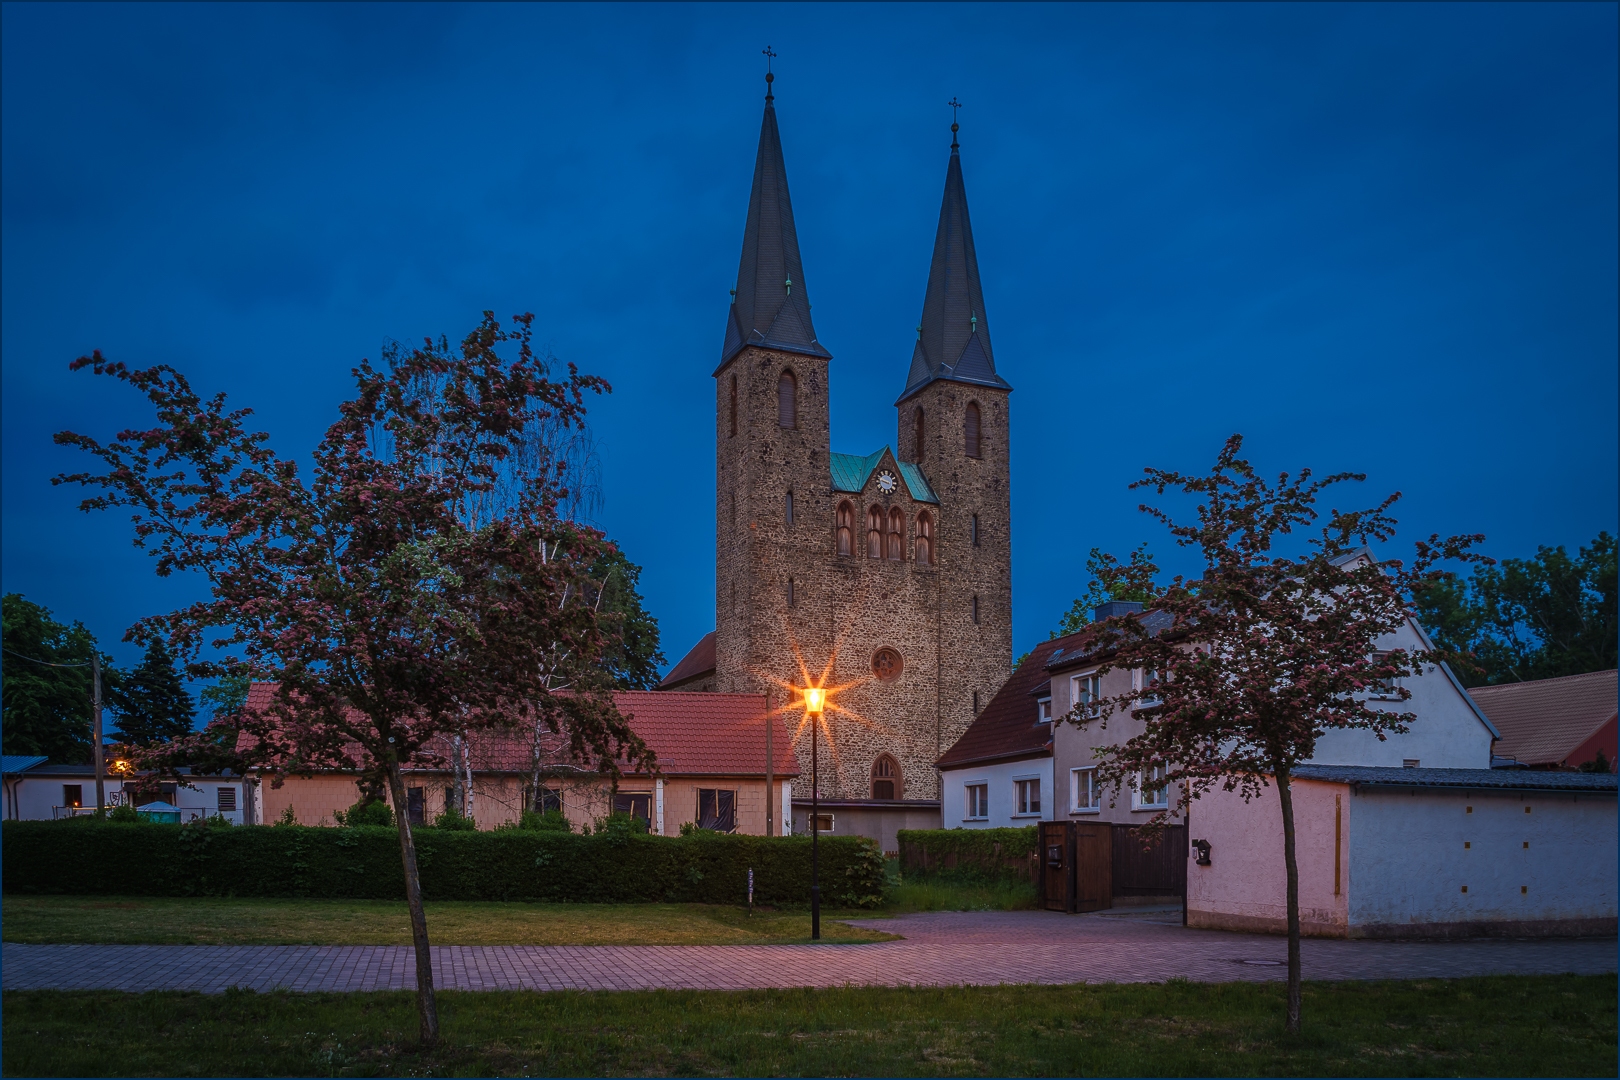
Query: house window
[1043, 711]
[918, 420]
[415, 804]
[72, 794]
[874, 532]
[1087, 691]
[1026, 797]
[1387, 688]
[717, 809]
[824, 823]
[549, 799]
[970, 430]
[734, 405]
[846, 529]
[1143, 680]
[1152, 792]
[787, 509]
[897, 535]
[978, 802]
[973, 530]
[1410, 763]
[885, 778]
[226, 800]
[636, 805]
[1087, 795]
[925, 538]
[975, 611]
[787, 405]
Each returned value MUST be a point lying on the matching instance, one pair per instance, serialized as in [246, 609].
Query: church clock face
[886, 482]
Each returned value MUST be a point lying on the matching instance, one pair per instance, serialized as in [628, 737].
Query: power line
[47, 663]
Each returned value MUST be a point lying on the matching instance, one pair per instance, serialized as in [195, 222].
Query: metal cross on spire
[955, 127]
[769, 55]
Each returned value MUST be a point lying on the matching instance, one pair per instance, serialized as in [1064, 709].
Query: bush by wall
[970, 854]
[149, 859]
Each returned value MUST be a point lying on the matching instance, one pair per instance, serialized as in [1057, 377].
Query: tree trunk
[1286, 796]
[426, 1008]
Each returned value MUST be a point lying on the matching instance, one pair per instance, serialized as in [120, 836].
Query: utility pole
[95, 725]
[770, 771]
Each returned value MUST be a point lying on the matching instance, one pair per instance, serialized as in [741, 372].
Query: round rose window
[886, 665]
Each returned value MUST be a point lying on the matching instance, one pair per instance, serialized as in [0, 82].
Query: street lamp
[815, 701]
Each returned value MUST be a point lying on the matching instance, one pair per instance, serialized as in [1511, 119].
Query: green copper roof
[850, 473]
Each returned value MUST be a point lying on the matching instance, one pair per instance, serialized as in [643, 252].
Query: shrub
[613, 865]
[451, 818]
[550, 821]
[364, 813]
[123, 812]
[982, 855]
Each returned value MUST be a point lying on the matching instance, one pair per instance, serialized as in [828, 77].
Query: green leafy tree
[633, 658]
[1111, 579]
[151, 701]
[46, 709]
[1525, 619]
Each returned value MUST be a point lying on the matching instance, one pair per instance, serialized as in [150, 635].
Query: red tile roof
[1545, 721]
[1008, 727]
[700, 661]
[691, 734]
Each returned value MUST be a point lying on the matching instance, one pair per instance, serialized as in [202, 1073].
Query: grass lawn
[204, 920]
[1499, 1026]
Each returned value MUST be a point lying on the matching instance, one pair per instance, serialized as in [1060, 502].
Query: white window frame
[968, 787]
[1140, 678]
[1089, 683]
[1389, 690]
[1137, 801]
[1019, 792]
[1043, 710]
[1076, 806]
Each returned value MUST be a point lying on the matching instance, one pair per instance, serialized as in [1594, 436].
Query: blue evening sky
[1368, 237]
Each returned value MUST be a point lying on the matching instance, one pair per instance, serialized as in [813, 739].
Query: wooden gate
[1150, 869]
[1057, 865]
[1077, 865]
[1093, 866]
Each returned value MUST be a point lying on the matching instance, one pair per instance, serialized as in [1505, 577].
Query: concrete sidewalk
[940, 948]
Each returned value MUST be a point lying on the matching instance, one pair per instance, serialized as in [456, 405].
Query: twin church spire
[771, 307]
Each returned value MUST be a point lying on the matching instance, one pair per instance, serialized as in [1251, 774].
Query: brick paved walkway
[940, 948]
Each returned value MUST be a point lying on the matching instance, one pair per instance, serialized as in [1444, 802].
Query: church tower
[886, 574]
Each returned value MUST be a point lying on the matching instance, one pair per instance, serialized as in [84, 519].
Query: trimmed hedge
[983, 854]
[149, 859]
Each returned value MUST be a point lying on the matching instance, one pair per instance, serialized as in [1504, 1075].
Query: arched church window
[734, 405]
[787, 404]
[921, 431]
[874, 532]
[970, 430]
[886, 778]
[846, 529]
[897, 535]
[925, 538]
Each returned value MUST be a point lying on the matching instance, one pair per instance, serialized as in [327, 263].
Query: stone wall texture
[790, 609]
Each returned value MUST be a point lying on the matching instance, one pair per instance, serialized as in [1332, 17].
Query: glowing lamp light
[815, 700]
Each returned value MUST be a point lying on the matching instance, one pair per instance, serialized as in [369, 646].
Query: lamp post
[815, 700]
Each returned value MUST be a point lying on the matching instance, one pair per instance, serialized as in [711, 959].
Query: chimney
[1117, 607]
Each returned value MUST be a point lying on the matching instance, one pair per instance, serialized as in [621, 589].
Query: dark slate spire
[953, 341]
[770, 306]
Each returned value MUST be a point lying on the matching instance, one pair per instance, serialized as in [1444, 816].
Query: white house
[35, 791]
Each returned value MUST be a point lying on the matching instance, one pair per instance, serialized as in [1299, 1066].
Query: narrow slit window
[734, 405]
[787, 509]
[787, 405]
[973, 530]
[921, 431]
[790, 597]
[975, 611]
[971, 430]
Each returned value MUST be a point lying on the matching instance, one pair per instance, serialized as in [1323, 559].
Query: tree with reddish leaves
[1266, 650]
[419, 585]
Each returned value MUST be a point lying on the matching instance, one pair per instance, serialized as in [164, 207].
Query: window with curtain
[897, 535]
[925, 538]
[874, 532]
[717, 809]
[970, 430]
[846, 529]
[787, 405]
